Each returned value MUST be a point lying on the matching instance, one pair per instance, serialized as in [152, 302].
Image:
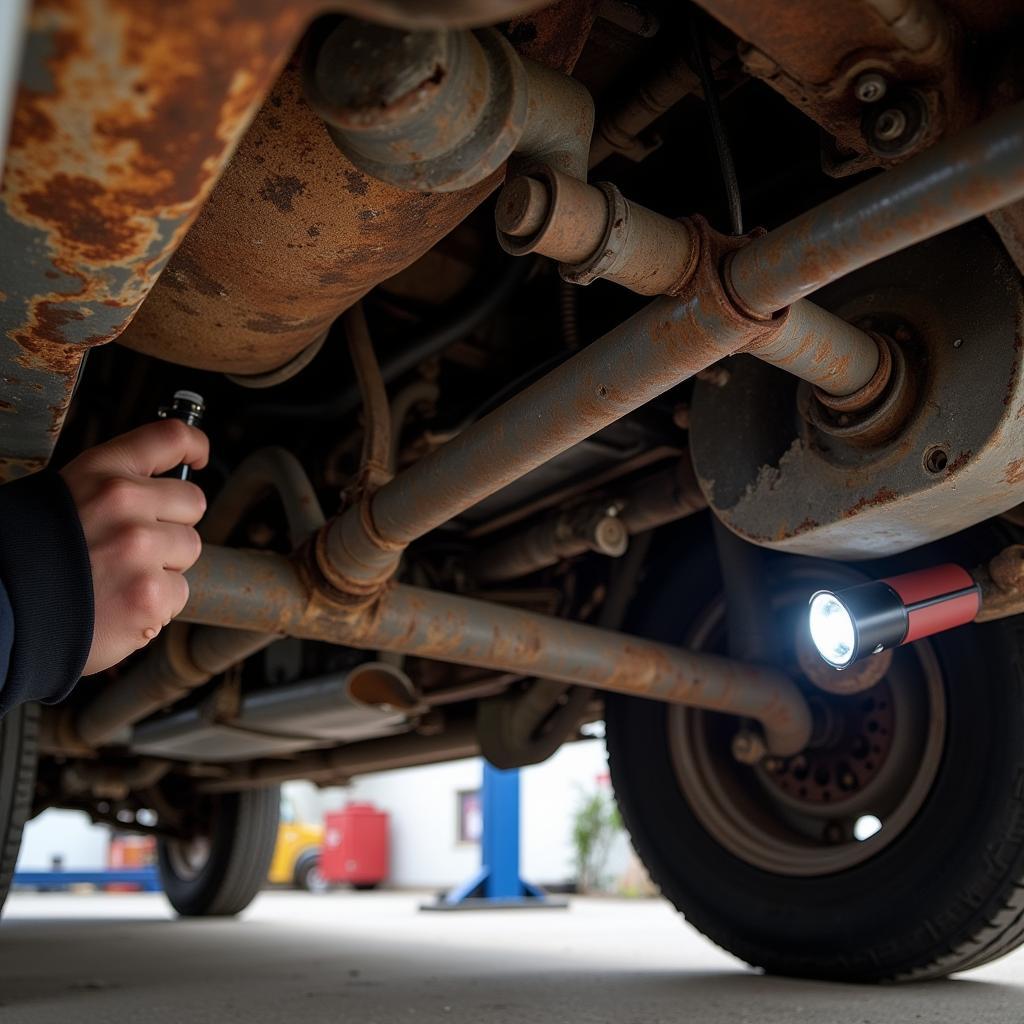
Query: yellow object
[293, 840]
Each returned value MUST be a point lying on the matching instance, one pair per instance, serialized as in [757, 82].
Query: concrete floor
[373, 959]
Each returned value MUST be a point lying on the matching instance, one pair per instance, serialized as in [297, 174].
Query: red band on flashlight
[934, 618]
[927, 588]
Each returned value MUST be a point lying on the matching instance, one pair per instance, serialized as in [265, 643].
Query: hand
[139, 531]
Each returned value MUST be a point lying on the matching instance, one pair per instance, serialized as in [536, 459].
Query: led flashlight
[872, 617]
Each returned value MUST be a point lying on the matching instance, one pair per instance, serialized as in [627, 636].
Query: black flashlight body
[189, 407]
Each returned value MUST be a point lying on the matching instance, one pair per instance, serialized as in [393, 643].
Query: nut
[870, 87]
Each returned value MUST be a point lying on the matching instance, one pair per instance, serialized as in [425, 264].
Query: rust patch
[281, 189]
[89, 220]
[356, 183]
[805, 525]
[881, 497]
[556, 35]
[1014, 472]
[958, 463]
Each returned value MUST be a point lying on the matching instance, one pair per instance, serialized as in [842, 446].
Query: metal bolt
[748, 747]
[870, 87]
[891, 125]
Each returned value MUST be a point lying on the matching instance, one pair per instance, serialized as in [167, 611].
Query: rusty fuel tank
[294, 233]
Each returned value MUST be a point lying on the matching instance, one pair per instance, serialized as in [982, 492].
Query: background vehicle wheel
[765, 860]
[19, 732]
[307, 872]
[219, 871]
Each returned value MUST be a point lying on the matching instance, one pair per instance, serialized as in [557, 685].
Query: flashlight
[872, 617]
[188, 407]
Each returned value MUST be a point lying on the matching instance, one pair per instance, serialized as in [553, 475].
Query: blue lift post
[498, 883]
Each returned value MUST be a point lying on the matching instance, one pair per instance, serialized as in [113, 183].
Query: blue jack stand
[497, 885]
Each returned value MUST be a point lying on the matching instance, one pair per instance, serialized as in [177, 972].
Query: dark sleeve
[44, 568]
[6, 632]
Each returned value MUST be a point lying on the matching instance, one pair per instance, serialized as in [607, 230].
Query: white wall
[423, 805]
[69, 834]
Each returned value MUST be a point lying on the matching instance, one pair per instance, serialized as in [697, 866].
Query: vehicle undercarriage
[553, 355]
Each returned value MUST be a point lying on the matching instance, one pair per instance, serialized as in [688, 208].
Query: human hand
[139, 529]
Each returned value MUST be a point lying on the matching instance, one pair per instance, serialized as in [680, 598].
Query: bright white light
[866, 827]
[832, 629]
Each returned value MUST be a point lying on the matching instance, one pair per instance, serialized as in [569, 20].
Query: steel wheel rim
[188, 857]
[743, 815]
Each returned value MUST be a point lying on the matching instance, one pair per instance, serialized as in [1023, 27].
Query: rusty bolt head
[522, 207]
[891, 125]
[870, 87]
[748, 747]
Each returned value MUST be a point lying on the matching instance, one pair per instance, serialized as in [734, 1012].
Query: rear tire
[945, 893]
[19, 736]
[219, 873]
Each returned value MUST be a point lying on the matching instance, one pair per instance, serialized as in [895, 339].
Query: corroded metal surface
[957, 458]
[955, 181]
[817, 57]
[821, 348]
[290, 238]
[619, 127]
[429, 111]
[247, 589]
[657, 348]
[1002, 584]
[663, 497]
[293, 235]
[594, 232]
[125, 115]
[441, 111]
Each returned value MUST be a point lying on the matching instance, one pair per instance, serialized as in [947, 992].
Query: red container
[356, 848]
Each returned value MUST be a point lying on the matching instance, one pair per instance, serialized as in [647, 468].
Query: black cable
[718, 133]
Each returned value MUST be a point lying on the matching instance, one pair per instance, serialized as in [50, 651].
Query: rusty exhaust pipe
[257, 590]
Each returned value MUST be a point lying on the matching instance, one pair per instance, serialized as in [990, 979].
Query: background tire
[19, 733]
[220, 873]
[946, 894]
[307, 872]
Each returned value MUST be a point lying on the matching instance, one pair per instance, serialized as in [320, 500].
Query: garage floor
[372, 958]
